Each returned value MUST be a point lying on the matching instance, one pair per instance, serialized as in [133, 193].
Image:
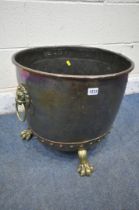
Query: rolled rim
[71, 76]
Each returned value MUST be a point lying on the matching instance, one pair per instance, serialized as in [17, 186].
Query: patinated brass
[22, 102]
[84, 168]
[26, 134]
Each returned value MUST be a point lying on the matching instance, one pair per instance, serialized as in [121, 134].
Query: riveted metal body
[75, 93]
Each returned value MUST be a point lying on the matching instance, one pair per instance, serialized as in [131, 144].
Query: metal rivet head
[51, 144]
[42, 140]
[71, 146]
[60, 145]
[91, 143]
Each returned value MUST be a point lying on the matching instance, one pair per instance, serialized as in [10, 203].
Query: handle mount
[22, 102]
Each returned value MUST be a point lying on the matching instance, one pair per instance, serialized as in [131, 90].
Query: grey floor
[33, 177]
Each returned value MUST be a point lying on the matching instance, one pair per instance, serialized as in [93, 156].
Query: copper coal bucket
[70, 95]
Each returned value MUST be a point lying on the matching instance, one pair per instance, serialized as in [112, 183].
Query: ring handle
[22, 102]
[18, 112]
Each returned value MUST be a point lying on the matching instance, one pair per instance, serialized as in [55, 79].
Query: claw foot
[84, 169]
[26, 134]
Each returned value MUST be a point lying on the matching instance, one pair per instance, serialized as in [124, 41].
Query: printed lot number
[92, 91]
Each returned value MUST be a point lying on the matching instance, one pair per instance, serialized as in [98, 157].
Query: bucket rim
[71, 76]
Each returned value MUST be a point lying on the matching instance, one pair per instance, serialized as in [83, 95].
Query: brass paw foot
[26, 134]
[84, 168]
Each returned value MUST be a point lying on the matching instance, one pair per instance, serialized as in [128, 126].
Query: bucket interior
[73, 60]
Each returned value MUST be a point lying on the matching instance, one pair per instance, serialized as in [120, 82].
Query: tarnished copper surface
[69, 146]
[75, 94]
[103, 76]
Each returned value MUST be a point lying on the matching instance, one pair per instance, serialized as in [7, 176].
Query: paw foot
[26, 134]
[85, 169]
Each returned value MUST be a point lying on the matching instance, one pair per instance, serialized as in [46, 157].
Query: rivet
[51, 144]
[60, 145]
[42, 141]
[91, 143]
[71, 146]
